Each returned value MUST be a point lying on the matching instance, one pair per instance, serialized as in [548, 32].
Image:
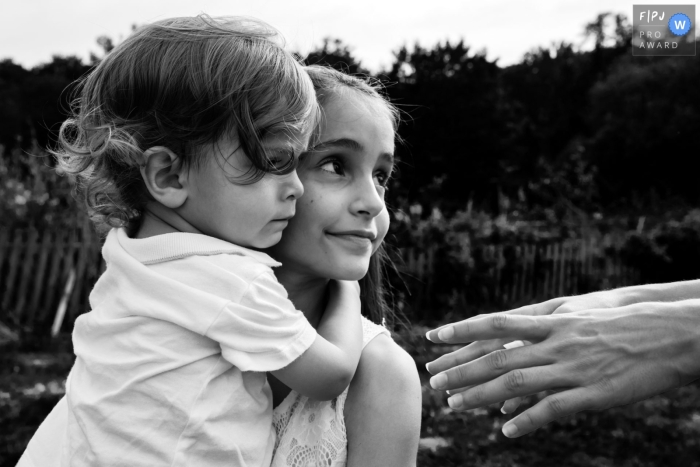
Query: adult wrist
[687, 327]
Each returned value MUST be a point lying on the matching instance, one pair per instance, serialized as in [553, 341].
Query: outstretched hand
[592, 358]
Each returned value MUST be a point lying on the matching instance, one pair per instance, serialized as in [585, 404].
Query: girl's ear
[164, 176]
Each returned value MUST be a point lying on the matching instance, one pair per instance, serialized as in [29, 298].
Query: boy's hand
[350, 286]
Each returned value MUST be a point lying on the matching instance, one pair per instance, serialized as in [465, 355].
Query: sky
[31, 31]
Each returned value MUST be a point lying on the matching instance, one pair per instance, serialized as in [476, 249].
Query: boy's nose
[294, 187]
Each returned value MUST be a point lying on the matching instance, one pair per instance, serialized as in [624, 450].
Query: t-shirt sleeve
[263, 331]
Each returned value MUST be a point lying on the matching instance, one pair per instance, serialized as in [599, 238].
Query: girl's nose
[369, 199]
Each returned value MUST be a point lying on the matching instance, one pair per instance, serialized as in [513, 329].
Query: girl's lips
[366, 234]
[360, 243]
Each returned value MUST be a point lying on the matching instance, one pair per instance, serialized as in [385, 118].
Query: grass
[662, 431]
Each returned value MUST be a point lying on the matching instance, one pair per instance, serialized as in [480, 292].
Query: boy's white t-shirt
[171, 361]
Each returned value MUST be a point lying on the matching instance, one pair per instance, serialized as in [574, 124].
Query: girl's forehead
[347, 98]
[353, 111]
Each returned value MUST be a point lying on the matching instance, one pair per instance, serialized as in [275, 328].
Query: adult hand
[593, 358]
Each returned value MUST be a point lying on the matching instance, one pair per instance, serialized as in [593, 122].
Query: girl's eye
[382, 178]
[334, 167]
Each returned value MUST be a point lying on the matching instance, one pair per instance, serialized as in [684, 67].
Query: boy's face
[252, 215]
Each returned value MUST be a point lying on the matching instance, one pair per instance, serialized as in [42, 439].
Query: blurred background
[540, 158]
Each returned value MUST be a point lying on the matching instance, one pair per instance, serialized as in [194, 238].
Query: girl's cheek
[382, 224]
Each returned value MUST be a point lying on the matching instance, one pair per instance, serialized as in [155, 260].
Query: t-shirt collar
[172, 246]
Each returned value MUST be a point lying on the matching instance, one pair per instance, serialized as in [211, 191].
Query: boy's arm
[327, 367]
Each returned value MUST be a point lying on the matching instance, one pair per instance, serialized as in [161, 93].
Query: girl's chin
[348, 271]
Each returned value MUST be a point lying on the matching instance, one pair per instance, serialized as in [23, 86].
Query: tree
[336, 54]
[455, 135]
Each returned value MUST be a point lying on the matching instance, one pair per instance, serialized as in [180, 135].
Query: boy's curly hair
[183, 83]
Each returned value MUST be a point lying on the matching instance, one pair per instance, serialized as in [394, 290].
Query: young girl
[185, 144]
[337, 233]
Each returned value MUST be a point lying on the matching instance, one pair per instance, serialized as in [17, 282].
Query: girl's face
[341, 219]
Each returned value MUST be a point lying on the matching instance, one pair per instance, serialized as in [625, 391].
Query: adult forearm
[670, 292]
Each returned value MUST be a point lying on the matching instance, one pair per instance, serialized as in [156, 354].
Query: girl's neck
[307, 292]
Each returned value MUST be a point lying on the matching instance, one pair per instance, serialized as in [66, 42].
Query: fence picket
[15, 254]
[27, 271]
[499, 266]
[59, 248]
[39, 288]
[4, 248]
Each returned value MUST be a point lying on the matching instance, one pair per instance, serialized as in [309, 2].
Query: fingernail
[503, 410]
[446, 333]
[427, 367]
[455, 402]
[438, 381]
[514, 344]
[510, 430]
[427, 336]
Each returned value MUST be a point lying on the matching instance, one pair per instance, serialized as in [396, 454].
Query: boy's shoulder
[179, 245]
[198, 260]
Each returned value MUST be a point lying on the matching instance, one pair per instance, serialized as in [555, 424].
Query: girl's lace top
[312, 433]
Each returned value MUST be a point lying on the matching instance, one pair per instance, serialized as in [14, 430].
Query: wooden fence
[512, 275]
[46, 277]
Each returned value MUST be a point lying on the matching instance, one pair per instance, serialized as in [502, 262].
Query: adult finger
[511, 405]
[458, 390]
[433, 335]
[550, 408]
[538, 309]
[464, 355]
[497, 326]
[516, 383]
[491, 366]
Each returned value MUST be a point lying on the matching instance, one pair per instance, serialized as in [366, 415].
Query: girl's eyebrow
[388, 156]
[347, 143]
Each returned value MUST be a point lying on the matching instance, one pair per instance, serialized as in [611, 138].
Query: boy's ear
[164, 178]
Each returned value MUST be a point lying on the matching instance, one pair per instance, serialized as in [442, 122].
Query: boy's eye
[280, 161]
[333, 167]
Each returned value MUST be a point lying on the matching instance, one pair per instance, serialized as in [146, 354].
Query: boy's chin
[267, 242]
